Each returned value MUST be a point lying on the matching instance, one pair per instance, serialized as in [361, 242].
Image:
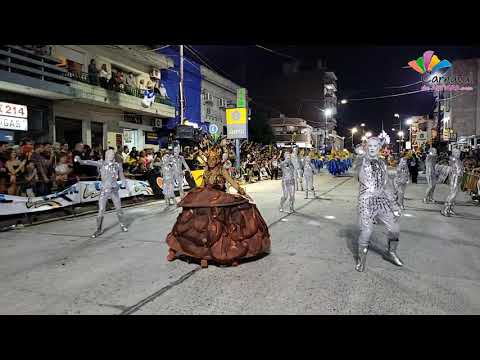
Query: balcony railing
[24, 61]
[128, 90]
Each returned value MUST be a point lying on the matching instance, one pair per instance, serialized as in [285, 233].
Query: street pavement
[56, 268]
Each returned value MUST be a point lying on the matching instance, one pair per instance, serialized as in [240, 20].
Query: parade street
[56, 268]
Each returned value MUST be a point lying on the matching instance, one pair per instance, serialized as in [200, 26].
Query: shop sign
[13, 117]
[13, 123]
[237, 123]
[151, 138]
[241, 98]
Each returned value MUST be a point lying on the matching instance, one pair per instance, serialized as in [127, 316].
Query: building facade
[461, 110]
[290, 131]
[67, 105]
[218, 93]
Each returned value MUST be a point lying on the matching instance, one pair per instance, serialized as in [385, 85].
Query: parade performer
[308, 171]
[376, 200]
[216, 226]
[168, 176]
[288, 183]
[179, 164]
[455, 175]
[430, 163]
[402, 178]
[298, 166]
[110, 172]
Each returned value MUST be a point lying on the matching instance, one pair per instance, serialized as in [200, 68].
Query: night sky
[361, 72]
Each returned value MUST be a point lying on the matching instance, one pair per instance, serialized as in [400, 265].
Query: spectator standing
[31, 179]
[62, 171]
[413, 167]
[131, 83]
[104, 76]
[41, 165]
[93, 72]
[15, 169]
[274, 167]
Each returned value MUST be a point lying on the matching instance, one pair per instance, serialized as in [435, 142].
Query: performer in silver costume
[110, 172]
[168, 175]
[288, 183]
[308, 171]
[402, 178]
[298, 166]
[430, 163]
[455, 175]
[376, 200]
[180, 163]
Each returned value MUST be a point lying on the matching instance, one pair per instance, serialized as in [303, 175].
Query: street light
[409, 122]
[343, 101]
[393, 129]
[354, 131]
[396, 115]
[362, 124]
[327, 113]
[400, 135]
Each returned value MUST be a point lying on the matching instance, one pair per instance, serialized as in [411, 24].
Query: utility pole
[439, 119]
[182, 115]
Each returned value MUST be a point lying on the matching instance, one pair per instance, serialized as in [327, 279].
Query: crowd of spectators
[37, 169]
[118, 81]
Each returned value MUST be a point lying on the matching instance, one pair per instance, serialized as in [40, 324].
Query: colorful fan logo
[429, 63]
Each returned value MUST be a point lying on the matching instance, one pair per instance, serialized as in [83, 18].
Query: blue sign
[213, 129]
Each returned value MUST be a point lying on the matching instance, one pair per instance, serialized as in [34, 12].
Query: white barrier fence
[81, 192]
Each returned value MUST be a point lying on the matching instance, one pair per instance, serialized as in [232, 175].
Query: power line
[387, 96]
[276, 52]
[199, 56]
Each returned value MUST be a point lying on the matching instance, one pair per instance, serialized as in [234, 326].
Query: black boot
[391, 254]
[361, 258]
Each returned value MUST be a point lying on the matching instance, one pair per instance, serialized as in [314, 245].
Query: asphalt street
[56, 268]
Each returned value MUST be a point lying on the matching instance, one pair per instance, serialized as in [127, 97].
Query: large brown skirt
[218, 227]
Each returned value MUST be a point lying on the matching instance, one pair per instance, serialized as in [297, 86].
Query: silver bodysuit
[402, 178]
[110, 173]
[179, 164]
[308, 172]
[455, 175]
[376, 199]
[168, 174]
[288, 185]
[431, 175]
[298, 166]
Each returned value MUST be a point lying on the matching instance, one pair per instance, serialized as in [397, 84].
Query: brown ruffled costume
[217, 226]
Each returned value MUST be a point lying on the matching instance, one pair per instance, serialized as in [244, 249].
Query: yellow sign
[236, 116]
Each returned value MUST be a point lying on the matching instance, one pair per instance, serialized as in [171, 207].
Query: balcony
[25, 71]
[288, 137]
